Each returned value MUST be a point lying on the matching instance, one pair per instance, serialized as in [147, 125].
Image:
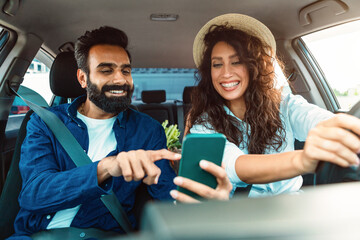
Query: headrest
[63, 80]
[154, 96]
[187, 94]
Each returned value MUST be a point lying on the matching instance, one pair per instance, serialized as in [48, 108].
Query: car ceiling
[158, 44]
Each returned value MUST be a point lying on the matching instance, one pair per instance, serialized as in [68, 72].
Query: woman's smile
[229, 86]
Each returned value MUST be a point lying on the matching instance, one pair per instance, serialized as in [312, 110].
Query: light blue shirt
[298, 117]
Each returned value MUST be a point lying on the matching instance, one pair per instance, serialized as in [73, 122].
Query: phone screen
[197, 147]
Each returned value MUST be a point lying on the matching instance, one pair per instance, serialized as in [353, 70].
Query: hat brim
[238, 21]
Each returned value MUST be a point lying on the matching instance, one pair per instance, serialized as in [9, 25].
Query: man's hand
[134, 165]
[221, 192]
[331, 141]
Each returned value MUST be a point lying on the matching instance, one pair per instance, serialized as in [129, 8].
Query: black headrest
[63, 80]
[187, 94]
[154, 96]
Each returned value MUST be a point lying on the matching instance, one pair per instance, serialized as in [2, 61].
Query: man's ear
[82, 77]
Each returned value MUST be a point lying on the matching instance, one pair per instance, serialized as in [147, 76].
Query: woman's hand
[331, 141]
[221, 192]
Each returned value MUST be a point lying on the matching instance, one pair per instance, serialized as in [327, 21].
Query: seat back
[187, 99]
[154, 105]
[63, 79]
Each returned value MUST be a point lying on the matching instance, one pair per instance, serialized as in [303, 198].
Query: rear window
[172, 80]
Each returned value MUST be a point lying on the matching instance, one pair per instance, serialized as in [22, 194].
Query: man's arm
[51, 182]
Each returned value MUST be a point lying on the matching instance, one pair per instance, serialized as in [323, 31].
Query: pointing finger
[163, 154]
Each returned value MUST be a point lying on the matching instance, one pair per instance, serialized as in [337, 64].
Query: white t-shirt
[298, 117]
[101, 142]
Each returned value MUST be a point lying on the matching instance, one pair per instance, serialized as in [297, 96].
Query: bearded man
[125, 146]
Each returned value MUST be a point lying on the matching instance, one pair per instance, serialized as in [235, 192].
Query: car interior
[36, 60]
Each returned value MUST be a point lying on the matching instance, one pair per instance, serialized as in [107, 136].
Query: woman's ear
[82, 78]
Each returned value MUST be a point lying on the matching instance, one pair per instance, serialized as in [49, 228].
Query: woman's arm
[261, 168]
[329, 141]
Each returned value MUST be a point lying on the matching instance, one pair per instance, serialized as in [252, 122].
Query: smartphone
[197, 147]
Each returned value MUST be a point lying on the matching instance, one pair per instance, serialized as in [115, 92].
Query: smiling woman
[237, 96]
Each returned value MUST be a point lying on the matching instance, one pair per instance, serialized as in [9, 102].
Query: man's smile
[118, 93]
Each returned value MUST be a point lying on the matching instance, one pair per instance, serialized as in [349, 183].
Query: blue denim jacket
[51, 182]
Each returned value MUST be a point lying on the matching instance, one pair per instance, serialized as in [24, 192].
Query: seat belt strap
[79, 157]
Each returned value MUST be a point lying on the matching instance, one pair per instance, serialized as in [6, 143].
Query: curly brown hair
[262, 99]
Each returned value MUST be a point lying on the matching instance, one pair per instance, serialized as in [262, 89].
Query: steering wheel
[355, 110]
[331, 173]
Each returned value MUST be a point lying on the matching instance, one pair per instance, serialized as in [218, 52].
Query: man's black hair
[102, 35]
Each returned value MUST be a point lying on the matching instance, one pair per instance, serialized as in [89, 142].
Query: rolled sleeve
[231, 154]
[303, 116]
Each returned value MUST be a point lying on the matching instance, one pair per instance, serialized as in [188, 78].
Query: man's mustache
[125, 87]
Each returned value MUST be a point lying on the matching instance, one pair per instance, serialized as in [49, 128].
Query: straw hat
[238, 21]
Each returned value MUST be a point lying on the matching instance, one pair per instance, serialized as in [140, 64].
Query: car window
[37, 80]
[4, 36]
[337, 52]
[172, 80]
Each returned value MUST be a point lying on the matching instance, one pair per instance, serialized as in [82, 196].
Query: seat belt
[79, 157]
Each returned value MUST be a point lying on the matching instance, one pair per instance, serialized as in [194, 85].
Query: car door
[26, 68]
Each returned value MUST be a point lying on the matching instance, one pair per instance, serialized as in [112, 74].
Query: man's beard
[113, 105]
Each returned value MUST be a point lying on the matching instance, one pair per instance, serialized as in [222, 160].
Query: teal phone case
[197, 147]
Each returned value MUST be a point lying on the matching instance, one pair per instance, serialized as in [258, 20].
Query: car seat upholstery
[154, 105]
[63, 80]
[187, 99]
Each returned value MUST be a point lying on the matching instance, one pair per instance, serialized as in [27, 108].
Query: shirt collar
[229, 112]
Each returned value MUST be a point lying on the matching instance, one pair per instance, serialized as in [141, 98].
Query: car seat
[154, 105]
[187, 99]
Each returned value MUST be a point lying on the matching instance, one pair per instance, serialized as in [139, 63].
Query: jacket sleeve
[161, 191]
[51, 182]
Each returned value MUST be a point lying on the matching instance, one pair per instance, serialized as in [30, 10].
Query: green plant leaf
[172, 135]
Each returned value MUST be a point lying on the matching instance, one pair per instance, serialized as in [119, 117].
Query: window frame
[9, 43]
[317, 75]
